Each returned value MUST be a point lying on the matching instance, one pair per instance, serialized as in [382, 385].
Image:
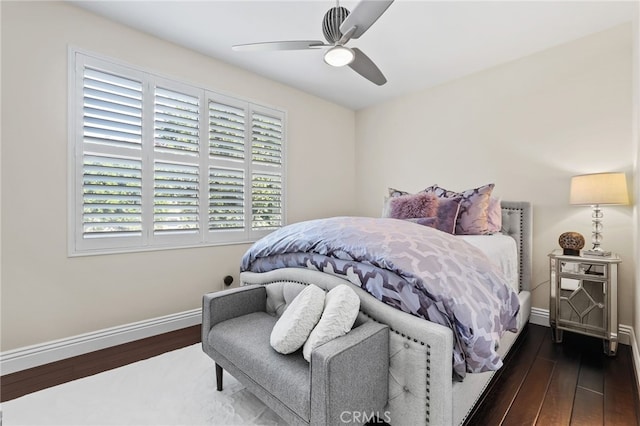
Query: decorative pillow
[446, 217]
[294, 326]
[413, 205]
[474, 206]
[392, 193]
[440, 192]
[341, 308]
[448, 210]
[396, 192]
[430, 189]
[425, 221]
[494, 215]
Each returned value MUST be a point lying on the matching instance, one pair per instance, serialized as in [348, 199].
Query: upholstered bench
[345, 382]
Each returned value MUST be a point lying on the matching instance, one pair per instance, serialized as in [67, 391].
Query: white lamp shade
[599, 188]
[339, 56]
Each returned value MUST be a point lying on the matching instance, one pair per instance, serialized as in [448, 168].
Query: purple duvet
[414, 268]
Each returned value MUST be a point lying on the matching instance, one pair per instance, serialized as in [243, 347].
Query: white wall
[45, 294]
[528, 126]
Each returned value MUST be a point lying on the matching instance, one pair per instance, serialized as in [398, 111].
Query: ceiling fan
[338, 26]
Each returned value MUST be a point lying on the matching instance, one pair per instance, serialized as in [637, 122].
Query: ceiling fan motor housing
[331, 23]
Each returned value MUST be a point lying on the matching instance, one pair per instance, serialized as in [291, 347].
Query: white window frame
[148, 240]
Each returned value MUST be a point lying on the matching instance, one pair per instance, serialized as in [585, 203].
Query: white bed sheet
[502, 250]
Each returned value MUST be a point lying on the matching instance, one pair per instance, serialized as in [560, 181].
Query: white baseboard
[635, 355]
[44, 353]
[625, 334]
[539, 317]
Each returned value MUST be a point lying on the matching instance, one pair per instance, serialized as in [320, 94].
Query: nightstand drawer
[583, 270]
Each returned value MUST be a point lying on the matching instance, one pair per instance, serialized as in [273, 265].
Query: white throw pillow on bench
[299, 318]
[341, 307]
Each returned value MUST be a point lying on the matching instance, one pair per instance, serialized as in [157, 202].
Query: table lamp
[595, 190]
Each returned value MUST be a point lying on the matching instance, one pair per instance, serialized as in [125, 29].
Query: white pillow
[341, 308]
[292, 329]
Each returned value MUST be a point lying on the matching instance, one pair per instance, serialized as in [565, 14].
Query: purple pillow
[474, 206]
[446, 212]
[494, 215]
[413, 206]
[445, 219]
[426, 221]
[448, 209]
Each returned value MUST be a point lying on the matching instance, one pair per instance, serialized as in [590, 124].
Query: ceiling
[416, 44]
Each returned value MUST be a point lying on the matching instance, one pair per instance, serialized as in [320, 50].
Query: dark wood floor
[541, 383]
[570, 383]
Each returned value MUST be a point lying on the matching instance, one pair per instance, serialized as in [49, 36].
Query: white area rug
[176, 388]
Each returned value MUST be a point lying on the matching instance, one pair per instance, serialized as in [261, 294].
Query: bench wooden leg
[218, 377]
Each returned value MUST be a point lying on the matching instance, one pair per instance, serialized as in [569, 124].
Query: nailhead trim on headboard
[520, 245]
[523, 238]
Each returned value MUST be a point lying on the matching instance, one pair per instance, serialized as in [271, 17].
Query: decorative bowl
[571, 243]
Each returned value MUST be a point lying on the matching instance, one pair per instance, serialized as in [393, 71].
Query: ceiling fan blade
[366, 68]
[279, 45]
[364, 15]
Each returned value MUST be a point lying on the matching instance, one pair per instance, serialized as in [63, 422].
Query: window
[160, 164]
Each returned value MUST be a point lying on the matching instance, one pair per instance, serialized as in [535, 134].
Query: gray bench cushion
[286, 377]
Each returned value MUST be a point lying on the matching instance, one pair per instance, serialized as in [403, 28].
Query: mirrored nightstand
[584, 297]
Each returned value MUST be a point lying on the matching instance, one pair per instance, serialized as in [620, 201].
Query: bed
[423, 385]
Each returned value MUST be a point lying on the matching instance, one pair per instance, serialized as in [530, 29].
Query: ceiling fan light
[339, 56]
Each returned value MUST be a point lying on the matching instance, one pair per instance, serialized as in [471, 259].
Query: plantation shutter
[176, 177]
[156, 163]
[228, 168]
[109, 156]
[267, 139]
[112, 196]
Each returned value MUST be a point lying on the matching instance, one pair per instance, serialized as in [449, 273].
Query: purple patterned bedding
[414, 268]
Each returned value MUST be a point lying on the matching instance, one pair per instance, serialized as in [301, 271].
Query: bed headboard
[517, 218]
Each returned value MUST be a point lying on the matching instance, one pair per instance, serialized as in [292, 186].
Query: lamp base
[600, 253]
